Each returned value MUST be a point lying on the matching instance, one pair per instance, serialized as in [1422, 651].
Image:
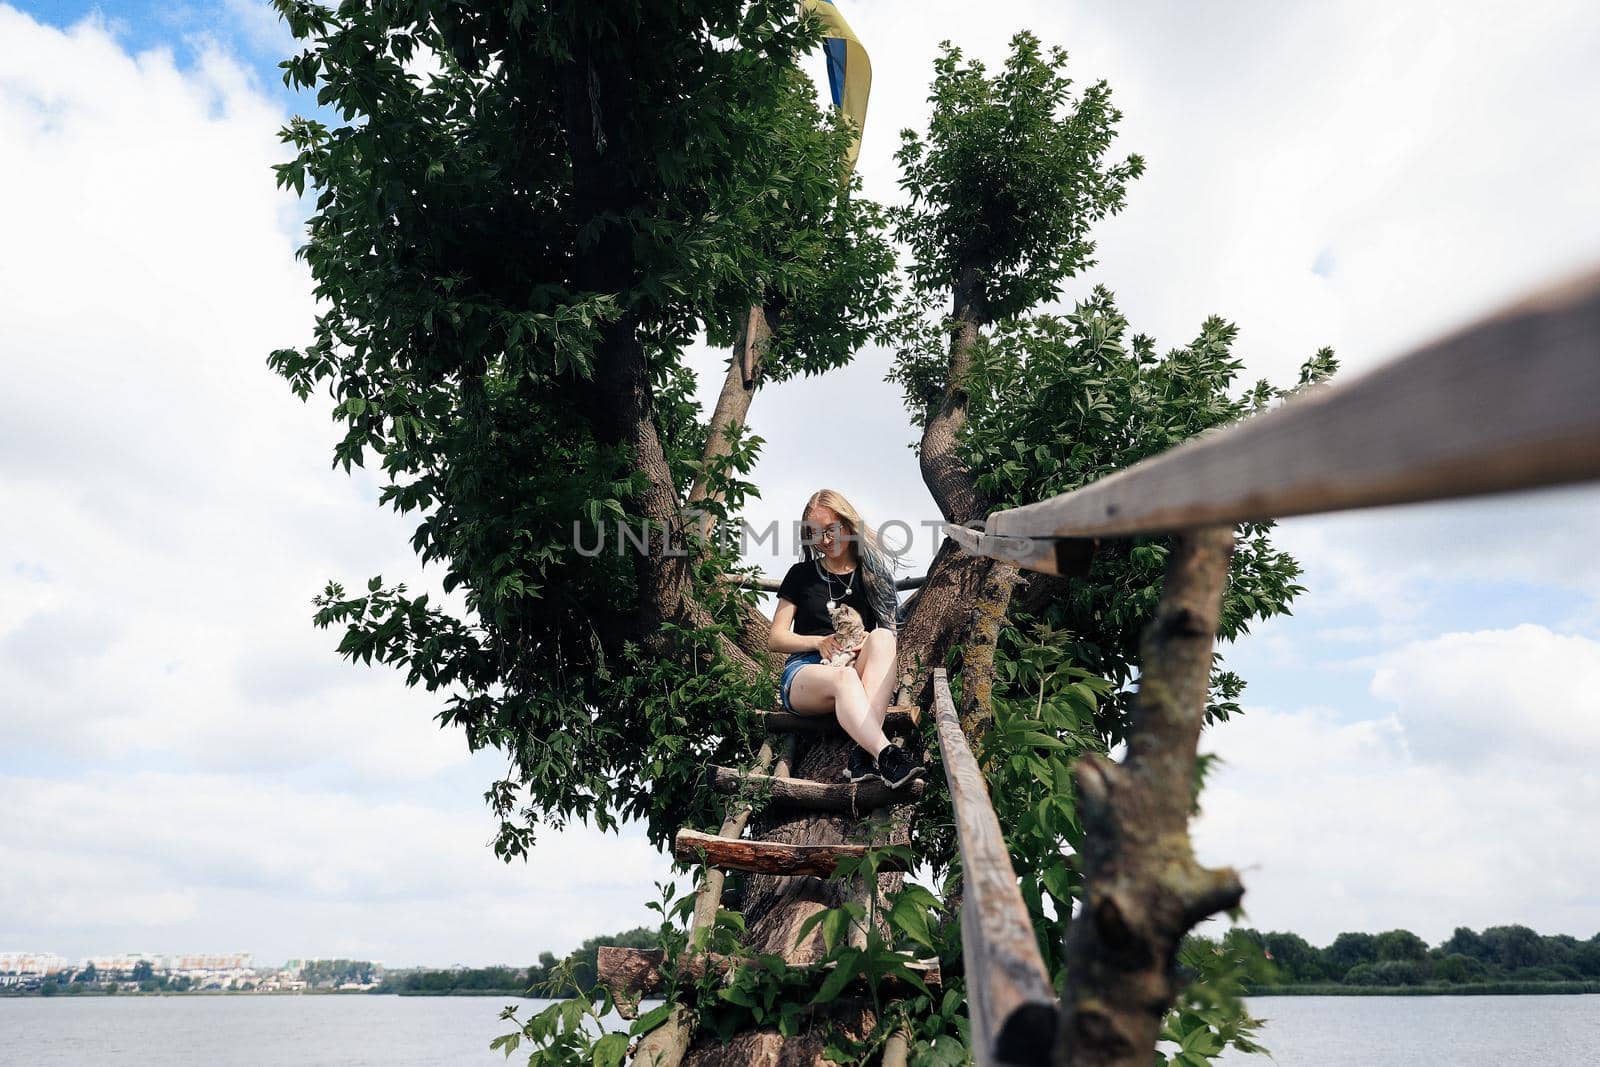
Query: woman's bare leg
[818, 689]
[875, 664]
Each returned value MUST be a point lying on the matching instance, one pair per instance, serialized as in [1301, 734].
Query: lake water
[255, 1031]
[349, 1031]
[1427, 1031]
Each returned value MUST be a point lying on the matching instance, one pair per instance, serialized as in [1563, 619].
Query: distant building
[108, 967]
[31, 964]
[233, 961]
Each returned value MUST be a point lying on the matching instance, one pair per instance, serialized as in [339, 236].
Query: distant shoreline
[1481, 989]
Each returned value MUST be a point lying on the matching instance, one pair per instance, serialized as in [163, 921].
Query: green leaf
[835, 924]
[844, 971]
[911, 918]
[610, 1050]
[651, 1019]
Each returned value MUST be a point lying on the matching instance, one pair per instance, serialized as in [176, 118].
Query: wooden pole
[709, 898]
[667, 1044]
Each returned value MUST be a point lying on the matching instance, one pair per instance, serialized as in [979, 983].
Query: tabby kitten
[848, 630]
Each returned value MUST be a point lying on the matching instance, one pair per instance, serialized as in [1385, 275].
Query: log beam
[1511, 402]
[850, 798]
[768, 857]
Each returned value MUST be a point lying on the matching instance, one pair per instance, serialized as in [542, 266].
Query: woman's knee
[845, 678]
[880, 639]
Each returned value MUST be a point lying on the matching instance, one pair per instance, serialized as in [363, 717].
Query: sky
[187, 765]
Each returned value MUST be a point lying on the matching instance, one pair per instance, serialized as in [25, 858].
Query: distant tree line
[550, 977]
[143, 978]
[1399, 958]
[319, 973]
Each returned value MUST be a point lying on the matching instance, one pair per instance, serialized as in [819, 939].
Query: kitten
[848, 630]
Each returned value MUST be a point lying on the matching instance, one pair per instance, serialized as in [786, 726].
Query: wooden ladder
[631, 974]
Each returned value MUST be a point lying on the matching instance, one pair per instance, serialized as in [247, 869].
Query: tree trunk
[961, 607]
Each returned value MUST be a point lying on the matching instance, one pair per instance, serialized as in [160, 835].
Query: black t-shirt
[809, 592]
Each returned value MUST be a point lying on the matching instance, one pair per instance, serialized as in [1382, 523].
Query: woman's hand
[829, 647]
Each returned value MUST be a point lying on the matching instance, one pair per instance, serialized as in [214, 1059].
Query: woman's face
[828, 533]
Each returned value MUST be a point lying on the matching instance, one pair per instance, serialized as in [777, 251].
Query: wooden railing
[1010, 1001]
[1512, 402]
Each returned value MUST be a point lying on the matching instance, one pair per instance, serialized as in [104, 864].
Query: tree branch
[733, 403]
[1143, 889]
[949, 479]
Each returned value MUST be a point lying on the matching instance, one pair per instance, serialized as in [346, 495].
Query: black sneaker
[896, 767]
[861, 766]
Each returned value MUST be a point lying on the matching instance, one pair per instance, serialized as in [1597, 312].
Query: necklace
[827, 576]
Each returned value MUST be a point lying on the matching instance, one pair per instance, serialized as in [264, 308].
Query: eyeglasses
[829, 532]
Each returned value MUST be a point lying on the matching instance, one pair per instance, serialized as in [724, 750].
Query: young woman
[841, 561]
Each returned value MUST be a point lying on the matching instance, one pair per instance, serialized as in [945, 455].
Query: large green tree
[523, 215]
[513, 252]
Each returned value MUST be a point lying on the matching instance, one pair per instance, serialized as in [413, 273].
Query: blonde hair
[877, 566]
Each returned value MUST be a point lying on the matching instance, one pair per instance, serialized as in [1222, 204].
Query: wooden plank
[1010, 1000]
[851, 798]
[899, 717]
[1068, 556]
[967, 538]
[767, 857]
[632, 973]
[1512, 402]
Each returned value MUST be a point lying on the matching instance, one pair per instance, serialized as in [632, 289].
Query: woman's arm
[783, 638]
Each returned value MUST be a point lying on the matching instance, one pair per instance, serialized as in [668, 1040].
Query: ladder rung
[814, 796]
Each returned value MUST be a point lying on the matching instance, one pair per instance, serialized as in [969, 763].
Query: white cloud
[170, 506]
[184, 758]
[200, 860]
[1523, 695]
[1470, 803]
[261, 25]
[1396, 563]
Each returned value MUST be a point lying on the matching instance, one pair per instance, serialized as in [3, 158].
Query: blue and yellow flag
[849, 69]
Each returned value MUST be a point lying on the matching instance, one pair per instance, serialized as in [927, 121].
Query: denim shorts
[791, 667]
